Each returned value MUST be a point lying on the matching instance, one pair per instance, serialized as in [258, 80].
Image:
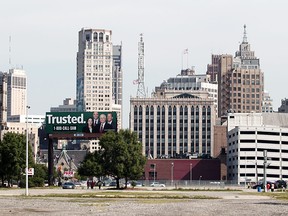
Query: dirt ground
[12, 202]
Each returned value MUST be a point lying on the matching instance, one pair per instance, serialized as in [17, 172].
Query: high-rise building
[16, 92]
[213, 68]
[117, 75]
[241, 81]
[99, 72]
[94, 70]
[3, 102]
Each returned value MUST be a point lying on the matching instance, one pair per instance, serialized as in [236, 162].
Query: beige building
[174, 124]
[16, 92]
[97, 89]
[240, 81]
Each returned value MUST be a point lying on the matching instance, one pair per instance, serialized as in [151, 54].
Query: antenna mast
[141, 88]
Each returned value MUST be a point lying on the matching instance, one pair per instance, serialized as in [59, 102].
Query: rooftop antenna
[245, 35]
[141, 87]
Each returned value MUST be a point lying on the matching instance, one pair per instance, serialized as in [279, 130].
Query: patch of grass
[205, 189]
[277, 195]
[129, 195]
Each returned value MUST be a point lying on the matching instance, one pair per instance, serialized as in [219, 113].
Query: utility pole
[264, 170]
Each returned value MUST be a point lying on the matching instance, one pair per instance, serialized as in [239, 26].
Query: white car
[157, 184]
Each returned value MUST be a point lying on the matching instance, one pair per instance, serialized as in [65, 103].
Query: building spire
[245, 35]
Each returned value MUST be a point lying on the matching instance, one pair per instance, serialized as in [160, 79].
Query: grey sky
[44, 40]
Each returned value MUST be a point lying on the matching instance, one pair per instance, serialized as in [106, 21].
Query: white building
[189, 81]
[267, 103]
[94, 70]
[16, 92]
[36, 120]
[175, 123]
[248, 136]
[94, 90]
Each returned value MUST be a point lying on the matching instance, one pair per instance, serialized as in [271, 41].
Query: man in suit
[103, 126]
[95, 119]
[110, 121]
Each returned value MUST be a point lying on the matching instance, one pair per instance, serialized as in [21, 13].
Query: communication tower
[141, 87]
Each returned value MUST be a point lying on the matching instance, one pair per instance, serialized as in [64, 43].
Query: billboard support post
[50, 161]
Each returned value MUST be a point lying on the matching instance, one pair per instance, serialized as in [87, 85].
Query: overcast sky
[44, 40]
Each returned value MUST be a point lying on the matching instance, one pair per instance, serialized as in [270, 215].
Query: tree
[122, 155]
[13, 157]
[92, 165]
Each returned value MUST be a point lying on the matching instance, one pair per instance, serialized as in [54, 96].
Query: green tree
[92, 165]
[122, 156]
[13, 157]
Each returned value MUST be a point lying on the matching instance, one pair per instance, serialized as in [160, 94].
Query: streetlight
[191, 165]
[172, 174]
[200, 177]
[27, 153]
[154, 171]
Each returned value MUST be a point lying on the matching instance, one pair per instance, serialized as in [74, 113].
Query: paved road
[231, 203]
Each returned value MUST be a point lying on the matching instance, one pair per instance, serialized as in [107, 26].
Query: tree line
[120, 157]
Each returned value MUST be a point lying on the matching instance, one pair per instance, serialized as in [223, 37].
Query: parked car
[280, 184]
[68, 185]
[77, 184]
[157, 184]
[113, 184]
[261, 185]
[138, 184]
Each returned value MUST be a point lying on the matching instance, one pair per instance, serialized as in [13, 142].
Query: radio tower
[141, 88]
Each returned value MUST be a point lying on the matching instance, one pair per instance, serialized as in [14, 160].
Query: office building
[174, 121]
[99, 72]
[249, 134]
[36, 120]
[16, 92]
[69, 105]
[213, 68]
[188, 81]
[117, 75]
[3, 99]
[240, 80]
[267, 103]
[94, 70]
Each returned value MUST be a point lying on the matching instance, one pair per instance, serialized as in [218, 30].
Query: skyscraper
[241, 81]
[117, 74]
[3, 101]
[94, 70]
[16, 92]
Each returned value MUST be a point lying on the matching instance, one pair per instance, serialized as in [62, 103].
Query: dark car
[68, 185]
[280, 184]
[262, 185]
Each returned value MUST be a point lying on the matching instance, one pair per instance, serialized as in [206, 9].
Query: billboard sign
[80, 122]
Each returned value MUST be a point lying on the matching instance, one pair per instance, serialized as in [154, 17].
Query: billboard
[80, 122]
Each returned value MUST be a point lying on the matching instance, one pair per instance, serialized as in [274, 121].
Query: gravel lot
[231, 203]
